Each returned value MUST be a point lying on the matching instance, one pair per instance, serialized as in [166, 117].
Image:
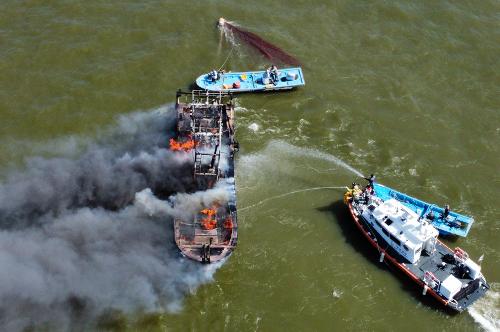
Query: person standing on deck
[370, 180]
[214, 75]
[446, 212]
[431, 216]
[274, 74]
[203, 253]
[207, 248]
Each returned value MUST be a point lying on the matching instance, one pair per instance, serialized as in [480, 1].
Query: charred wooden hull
[205, 125]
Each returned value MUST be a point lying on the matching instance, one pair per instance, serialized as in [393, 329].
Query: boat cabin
[401, 228]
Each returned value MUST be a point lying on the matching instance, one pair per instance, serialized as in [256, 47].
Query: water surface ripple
[407, 90]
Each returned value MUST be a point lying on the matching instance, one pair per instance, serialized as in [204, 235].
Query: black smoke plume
[74, 241]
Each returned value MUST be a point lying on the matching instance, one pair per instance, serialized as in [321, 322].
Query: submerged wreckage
[205, 128]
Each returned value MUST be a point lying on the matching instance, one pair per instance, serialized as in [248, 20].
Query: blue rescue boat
[452, 224]
[251, 81]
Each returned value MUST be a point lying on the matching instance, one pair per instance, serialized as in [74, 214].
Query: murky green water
[407, 90]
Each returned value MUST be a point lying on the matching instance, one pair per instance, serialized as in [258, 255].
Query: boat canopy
[407, 233]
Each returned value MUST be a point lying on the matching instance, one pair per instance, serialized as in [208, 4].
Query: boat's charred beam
[209, 117]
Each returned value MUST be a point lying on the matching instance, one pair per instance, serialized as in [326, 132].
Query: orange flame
[209, 223]
[208, 212]
[178, 146]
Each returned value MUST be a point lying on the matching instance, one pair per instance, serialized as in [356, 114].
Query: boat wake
[76, 240]
[486, 311]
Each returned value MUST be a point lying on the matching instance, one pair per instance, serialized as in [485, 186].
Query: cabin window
[394, 239]
[385, 231]
[388, 222]
[405, 247]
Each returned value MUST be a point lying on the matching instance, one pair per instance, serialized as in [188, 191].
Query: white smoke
[76, 241]
[182, 206]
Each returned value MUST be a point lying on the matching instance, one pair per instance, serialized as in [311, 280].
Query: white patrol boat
[411, 244]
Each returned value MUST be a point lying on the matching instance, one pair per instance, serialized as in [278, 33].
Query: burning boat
[205, 128]
[409, 242]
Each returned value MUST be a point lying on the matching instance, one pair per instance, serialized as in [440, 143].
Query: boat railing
[460, 254]
[204, 95]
